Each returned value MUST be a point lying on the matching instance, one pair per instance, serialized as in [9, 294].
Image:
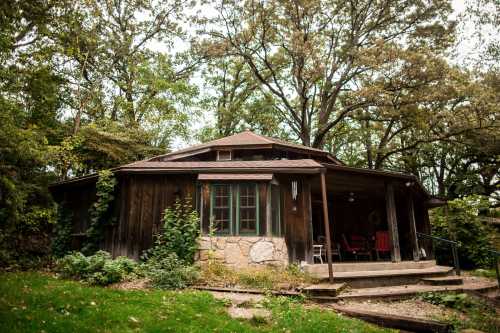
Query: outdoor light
[294, 190]
[408, 184]
[351, 197]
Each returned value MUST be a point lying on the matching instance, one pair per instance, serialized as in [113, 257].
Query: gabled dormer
[247, 146]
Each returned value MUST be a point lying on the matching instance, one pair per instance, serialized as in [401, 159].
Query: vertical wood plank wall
[297, 219]
[142, 200]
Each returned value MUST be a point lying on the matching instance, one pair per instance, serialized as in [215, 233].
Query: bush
[180, 232]
[169, 272]
[98, 269]
[473, 236]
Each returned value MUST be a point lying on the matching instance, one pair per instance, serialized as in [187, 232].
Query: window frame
[257, 211]
[224, 151]
[212, 202]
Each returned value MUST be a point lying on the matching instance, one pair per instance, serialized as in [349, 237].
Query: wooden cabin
[266, 201]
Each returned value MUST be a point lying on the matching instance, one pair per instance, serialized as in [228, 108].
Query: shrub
[474, 237]
[169, 272]
[98, 269]
[179, 234]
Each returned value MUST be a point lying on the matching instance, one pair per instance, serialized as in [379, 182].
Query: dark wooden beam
[413, 229]
[327, 228]
[390, 205]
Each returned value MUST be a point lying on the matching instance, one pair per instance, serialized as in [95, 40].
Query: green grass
[35, 302]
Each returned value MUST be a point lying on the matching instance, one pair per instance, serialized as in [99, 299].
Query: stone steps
[324, 289]
[442, 281]
[393, 277]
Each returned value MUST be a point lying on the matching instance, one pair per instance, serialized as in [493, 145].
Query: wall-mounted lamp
[408, 184]
[351, 197]
[294, 189]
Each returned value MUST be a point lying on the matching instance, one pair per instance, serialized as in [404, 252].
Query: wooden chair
[357, 248]
[382, 243]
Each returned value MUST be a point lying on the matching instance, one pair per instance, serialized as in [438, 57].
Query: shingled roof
[222, 165]
[243, 139]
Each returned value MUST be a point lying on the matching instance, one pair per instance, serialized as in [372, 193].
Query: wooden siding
[297, 218]
[142, 200]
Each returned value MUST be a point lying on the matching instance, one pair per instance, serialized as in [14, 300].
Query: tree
[235, 97]
[113, 71]
[309, 54]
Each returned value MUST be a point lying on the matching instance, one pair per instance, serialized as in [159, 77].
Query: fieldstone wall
[244, 251]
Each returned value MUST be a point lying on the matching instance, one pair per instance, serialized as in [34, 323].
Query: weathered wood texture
[297, 219]
[142, 200]
[392, 222]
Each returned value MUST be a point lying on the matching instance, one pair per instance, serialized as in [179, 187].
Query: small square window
[224, 155]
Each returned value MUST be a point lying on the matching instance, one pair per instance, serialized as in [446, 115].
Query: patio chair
[357, 248]
[318, 252]
[335, 248]
[382, 243]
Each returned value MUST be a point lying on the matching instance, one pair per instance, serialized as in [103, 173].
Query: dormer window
[224, 155]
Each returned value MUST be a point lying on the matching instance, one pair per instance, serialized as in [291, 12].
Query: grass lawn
[36, 302]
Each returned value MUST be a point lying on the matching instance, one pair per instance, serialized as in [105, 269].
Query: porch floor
[379, 274]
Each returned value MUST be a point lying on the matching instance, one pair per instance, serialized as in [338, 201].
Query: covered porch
[366, 216]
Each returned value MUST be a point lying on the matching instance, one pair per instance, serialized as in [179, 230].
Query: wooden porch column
[413, 229]
[327, 227]
[390, 205]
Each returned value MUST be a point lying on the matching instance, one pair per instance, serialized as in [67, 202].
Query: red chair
[357, 248]
[382, 243]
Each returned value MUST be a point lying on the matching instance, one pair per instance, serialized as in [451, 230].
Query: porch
[370, 220]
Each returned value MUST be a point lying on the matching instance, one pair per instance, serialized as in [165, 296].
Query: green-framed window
[221, 208]
[247, 209]
[244, 219]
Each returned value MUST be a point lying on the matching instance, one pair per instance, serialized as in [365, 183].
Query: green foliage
[61, 242]
[463, 224]
[179, 234]
[56, 305]
[167, 271]
[455, 301]
[478, 315]
[98, 269]
[99, 213]
[168, 263]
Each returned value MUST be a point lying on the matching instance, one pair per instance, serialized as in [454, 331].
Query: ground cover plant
[34, 302]
[474, 313]
[98, 269]
[215, 273]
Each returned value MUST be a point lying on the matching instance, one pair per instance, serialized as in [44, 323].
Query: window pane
[221, 208]
[248, 208]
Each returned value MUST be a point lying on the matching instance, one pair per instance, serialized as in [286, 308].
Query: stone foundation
[237, 251]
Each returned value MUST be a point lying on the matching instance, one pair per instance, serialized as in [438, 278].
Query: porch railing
[453, 245]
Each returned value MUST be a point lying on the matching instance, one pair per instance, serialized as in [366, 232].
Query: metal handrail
[453, 246]
[454, 250]
[497, 271]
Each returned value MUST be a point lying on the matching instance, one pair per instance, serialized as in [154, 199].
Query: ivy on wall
[63, 228]
[99, 212]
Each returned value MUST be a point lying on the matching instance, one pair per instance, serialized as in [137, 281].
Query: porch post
[390, 205]
[327, 227]
[413, 228]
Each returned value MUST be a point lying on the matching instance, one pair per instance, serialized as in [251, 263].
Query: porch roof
[235, 176]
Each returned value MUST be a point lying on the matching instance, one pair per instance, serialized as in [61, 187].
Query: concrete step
[339, 267]
[408, 291]
[324, 289]
[393, 277]
[443, 281]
